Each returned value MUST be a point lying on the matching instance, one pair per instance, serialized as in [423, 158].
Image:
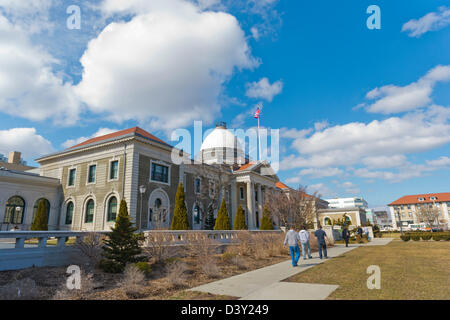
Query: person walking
[359, 233]
[304, 240]
[321, 236]
[292, 239]
[346, 235]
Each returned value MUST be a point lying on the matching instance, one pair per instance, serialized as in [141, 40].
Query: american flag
[257, 113]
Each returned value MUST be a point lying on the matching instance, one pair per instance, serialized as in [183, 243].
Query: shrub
[405, 237]
[144, 267]
[122, 246]
[415, 237]
[40, 222]
[132, 281]
[180, 219]
[240, 263]
[228, 256]
[222, 221]
[90, 248]
[239, 220]
[210, 269]
[24, 289]
[437, 237]
[202, 247]
[266, 222]
[426, 237]
[176, 274]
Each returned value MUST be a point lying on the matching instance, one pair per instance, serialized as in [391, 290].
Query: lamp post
[141, 191]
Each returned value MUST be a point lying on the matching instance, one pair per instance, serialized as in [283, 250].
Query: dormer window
[433, 198]
[421, 199]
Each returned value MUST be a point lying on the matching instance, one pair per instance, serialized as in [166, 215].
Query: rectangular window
[160, 173]
[241, 192]
[114, 170]
[91, 173]
[197, 185]
[72, 173]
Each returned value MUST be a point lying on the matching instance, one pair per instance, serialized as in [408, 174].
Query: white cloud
[100, 132]
[255, 33]
[430, 22]
[321, 125]
[24, 140]
[441, 162]
[321, 189]
[263, 89]
[173, 77]
[31, 15]
[393, 99]
[375, 145]
[28, 86]
[377, 162]
[350, 188]
[321, 172]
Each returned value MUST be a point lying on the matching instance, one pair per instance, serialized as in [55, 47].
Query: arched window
[15, 210]
[69, 212]
[112, 209]
[89, 213]
[327, 221]
[196, 214]
[348, 221]
[36, 205]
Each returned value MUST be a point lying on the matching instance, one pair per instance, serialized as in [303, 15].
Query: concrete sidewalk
[265, 283]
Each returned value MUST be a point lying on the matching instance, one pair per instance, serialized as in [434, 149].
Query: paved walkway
[265, 283]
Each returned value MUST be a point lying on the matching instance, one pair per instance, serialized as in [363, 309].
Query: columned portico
[251, 205]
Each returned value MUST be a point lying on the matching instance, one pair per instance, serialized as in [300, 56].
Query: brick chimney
[14, 157]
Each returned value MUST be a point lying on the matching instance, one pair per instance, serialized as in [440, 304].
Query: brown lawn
[409, 270]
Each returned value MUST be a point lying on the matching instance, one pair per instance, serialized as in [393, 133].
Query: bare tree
[293, 207]
[429, 214]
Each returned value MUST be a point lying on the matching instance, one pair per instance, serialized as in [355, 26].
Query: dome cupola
[222, 147]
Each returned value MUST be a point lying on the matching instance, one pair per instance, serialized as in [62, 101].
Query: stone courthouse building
[132, 164]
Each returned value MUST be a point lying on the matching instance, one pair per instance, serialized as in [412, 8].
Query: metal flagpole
[259, 138]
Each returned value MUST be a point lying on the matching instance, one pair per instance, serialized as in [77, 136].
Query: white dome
[220, 137]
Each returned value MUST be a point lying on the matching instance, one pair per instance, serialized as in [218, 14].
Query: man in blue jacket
[321, 236]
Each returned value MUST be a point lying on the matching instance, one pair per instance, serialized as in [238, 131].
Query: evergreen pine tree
[239, 220]
[222, 221]
[266, 222]
[40, 222]
[122, 245]
[180, 218]
[209, 219]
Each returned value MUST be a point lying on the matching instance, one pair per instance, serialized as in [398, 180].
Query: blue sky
[361, 112]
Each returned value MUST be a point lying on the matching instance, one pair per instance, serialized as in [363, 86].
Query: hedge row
[416, 236]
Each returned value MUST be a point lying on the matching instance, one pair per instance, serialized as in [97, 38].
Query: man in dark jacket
[321, 236]
[346, 235]
[359, 232]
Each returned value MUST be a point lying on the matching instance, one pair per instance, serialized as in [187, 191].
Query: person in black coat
[346, 235]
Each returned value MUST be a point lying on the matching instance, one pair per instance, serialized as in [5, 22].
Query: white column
[233, 201]
[259, 203]
[250, 206]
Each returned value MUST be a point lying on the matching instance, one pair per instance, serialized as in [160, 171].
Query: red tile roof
[281, 185]
[136, 131]
[412, 199]
[245, 166]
